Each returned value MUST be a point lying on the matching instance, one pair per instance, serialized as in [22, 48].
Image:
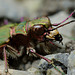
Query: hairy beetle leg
[6, 63]
[55, 44]
[15, 52]
[5, 58]
[49, 61]
[29, 51]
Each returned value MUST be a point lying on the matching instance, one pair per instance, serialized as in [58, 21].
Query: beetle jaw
[57, 37]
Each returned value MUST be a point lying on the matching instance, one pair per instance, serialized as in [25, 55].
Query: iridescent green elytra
[43, 20]
[22, 28]
[4, 33]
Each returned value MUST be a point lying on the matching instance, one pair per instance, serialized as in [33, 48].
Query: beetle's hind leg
[6, 62]
[28, 51]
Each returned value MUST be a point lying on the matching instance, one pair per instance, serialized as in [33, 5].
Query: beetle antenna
[64, 20]
[61, 25]
[64, 24]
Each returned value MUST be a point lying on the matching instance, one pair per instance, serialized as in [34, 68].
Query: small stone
[71, 63]
[70, 46]
[53, 71]
[59, 60]
[62, 57]
[34, 70]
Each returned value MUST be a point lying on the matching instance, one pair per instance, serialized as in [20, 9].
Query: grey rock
[15, 72]
[35, 71]
[35, 63]
[54, 71]
[70, 46]
[71, 63]
[48, 69]
[1, 64]
[62, 57]
[12, 71]
[73, 31]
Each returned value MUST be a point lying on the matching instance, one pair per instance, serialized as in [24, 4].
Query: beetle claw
[7, 73]
[29, 51]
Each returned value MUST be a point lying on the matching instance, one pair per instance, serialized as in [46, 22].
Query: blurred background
[57, 10]
[15, 9]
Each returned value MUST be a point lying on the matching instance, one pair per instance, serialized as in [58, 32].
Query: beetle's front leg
[29, 49]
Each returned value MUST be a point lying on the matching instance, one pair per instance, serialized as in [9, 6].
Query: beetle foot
[6, 72]
[29, 52]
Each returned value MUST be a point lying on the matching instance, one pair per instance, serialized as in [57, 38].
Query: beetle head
[54, 35]
[41, 33]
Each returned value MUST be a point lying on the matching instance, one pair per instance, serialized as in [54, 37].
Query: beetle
[20, 37]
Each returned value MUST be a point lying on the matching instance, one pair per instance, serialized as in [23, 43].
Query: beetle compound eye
[38, 29]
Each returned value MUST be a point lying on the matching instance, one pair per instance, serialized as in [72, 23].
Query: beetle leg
[3, 45]
[6, 63]
[28, 51]
[54, 44]
[41, 56]
[15, 52]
